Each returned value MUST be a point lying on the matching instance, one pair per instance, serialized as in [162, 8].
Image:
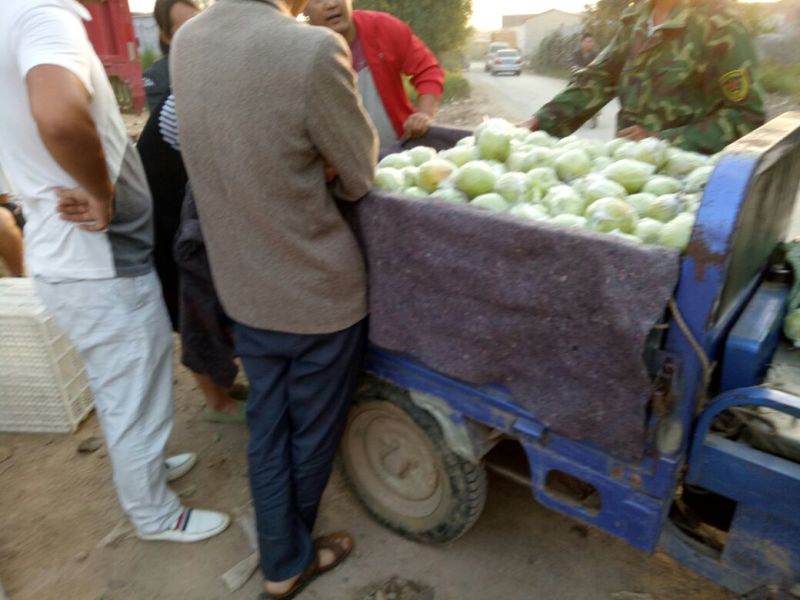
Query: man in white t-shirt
[88, 243]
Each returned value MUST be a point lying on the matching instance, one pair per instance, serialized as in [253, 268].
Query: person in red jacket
[385, 49]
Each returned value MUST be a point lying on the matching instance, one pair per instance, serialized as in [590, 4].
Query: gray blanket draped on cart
[559, 317]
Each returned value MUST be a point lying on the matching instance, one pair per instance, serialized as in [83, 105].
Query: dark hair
[586, 35]
[162, 12]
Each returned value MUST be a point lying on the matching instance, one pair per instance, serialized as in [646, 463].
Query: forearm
[61, 107]
[572, 108]
[76, 147]
[712, 133]
[428, 104]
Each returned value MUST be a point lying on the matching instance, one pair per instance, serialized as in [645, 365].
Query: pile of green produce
[645, 192]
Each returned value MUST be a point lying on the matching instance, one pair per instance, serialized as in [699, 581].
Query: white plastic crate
[43, 382]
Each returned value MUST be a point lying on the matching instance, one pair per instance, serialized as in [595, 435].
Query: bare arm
[60, 105]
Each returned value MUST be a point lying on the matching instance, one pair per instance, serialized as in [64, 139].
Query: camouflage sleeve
[732, 90]
[589, 90]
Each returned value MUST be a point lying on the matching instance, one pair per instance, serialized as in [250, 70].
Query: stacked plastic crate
[43, 382]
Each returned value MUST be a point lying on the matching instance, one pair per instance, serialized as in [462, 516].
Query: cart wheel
[402, 470]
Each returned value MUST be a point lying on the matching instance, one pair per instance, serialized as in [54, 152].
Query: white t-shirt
[5, 184]
[51, 32]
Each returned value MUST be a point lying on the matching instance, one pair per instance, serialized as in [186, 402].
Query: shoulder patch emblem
[735, 85]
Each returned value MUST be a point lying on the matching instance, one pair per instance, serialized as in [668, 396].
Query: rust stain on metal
[703, 257]
[636, 481]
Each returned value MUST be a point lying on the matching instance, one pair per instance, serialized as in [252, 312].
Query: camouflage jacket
[692, 81]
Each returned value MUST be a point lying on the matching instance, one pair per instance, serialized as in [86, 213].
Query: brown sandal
[333, 542]
[306, 577]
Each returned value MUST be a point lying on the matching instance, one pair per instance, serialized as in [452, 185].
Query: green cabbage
[649, 231]
[697, 179]
[475, 179]
[665, 208]
[573, 164]
[681, 162]
[678, 232]
[601, 162]
[609, 214]
[599, 187]
[494, 140]
[542, 178]
[649, 150]
[460, 155]
[415, 192]
[411, 175]
[390, 179]
[448, 194]
[534, 212]
[537, 157]
[540, 138]
[662, 184]
[615, 144]
[624, 150]
[568, 220]
[493, 202]
[630, 174]
[396, 161]
[514, 187]
[421, 154]
[641, 202]
[562, 199]
[433, 172]
[515, 161]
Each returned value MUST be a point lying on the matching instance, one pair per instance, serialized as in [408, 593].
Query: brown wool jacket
[262, 100]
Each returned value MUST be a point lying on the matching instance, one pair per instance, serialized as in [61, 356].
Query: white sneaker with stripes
[193, 525]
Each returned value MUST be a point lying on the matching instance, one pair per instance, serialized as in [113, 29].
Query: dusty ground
[58, 506]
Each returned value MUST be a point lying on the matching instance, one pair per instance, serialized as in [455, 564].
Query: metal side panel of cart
[743, 216]
[745, 213]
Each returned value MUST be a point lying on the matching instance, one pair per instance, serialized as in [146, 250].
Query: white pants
[121, 328]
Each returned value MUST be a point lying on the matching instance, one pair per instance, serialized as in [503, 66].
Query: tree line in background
[442, 24]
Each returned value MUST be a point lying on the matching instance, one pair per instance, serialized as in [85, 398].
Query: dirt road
[516, 98]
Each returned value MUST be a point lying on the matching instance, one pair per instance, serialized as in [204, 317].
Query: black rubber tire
[460, 485]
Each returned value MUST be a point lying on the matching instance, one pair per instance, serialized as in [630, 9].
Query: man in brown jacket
[261, 111]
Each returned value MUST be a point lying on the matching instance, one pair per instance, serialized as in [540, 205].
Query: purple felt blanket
[558, 316]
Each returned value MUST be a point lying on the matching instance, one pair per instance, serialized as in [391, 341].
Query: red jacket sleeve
[427, 76]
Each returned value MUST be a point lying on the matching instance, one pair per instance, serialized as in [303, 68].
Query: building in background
[146, 30]
[531, 29]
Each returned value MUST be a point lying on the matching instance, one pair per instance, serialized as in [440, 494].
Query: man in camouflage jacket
[688, 77]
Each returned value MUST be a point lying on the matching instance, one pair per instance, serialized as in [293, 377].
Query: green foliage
[554, 56]
[442, 24]
[456, 87]
[148, 57]
[780, 78]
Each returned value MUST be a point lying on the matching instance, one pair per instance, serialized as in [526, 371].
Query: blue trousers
[300, 390]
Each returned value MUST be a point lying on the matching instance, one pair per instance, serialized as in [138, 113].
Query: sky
[487, 14]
